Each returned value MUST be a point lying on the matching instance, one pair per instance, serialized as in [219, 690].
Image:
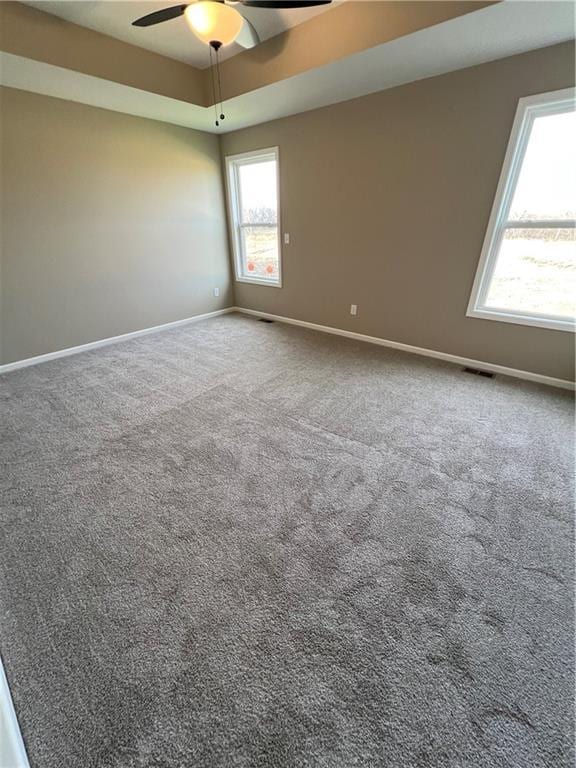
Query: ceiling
[172, 38]
[492, 33]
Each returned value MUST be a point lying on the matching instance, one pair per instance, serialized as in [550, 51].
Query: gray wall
[110, 223]
[387, 198]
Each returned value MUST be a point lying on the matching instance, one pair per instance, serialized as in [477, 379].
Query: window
[253, 207]
[527, 270]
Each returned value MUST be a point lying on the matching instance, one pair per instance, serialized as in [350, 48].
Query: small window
[527, 270]
[253, 207]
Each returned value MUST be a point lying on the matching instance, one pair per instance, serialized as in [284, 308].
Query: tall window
[527, 270]
[253, 207]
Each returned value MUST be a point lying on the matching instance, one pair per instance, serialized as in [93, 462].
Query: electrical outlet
[216, 292]
[286, 238]
[353, 309]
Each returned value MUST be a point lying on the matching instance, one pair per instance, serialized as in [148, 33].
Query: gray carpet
[239, 544]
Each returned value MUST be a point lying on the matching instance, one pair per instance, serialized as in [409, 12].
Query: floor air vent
[478, 372]
[265, 320]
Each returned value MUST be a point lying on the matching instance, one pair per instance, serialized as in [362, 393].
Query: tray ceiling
[173, 38]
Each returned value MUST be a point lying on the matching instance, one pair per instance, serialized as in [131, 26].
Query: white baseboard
[112, 340]
[483, 365]
[12, 751]
[465, 361]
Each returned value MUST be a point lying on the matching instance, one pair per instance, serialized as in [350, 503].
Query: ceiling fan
[217, 22]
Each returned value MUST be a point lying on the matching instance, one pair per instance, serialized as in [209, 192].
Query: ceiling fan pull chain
[213, 83]
[219, 86]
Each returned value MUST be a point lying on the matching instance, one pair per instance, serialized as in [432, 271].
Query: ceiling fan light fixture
[213, 22]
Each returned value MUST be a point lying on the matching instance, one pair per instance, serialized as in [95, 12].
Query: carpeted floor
[241, 544]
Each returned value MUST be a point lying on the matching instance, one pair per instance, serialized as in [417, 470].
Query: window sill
[518, 319]
[256, 281]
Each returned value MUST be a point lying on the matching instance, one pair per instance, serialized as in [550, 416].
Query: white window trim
[528, 109]
[233, 192]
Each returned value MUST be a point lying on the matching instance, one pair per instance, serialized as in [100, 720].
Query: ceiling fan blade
[248, 37]
[165, 14]
[283, 3]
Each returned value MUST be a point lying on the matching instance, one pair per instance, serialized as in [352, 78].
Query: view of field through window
[259, 220]
[535, 272]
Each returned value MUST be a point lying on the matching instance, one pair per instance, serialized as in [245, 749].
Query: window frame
[529, 108]
[234, 207]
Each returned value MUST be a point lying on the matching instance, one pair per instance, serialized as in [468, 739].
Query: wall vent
[478, 372]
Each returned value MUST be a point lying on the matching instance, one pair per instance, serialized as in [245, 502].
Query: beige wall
[386, 199]
[110, 223]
